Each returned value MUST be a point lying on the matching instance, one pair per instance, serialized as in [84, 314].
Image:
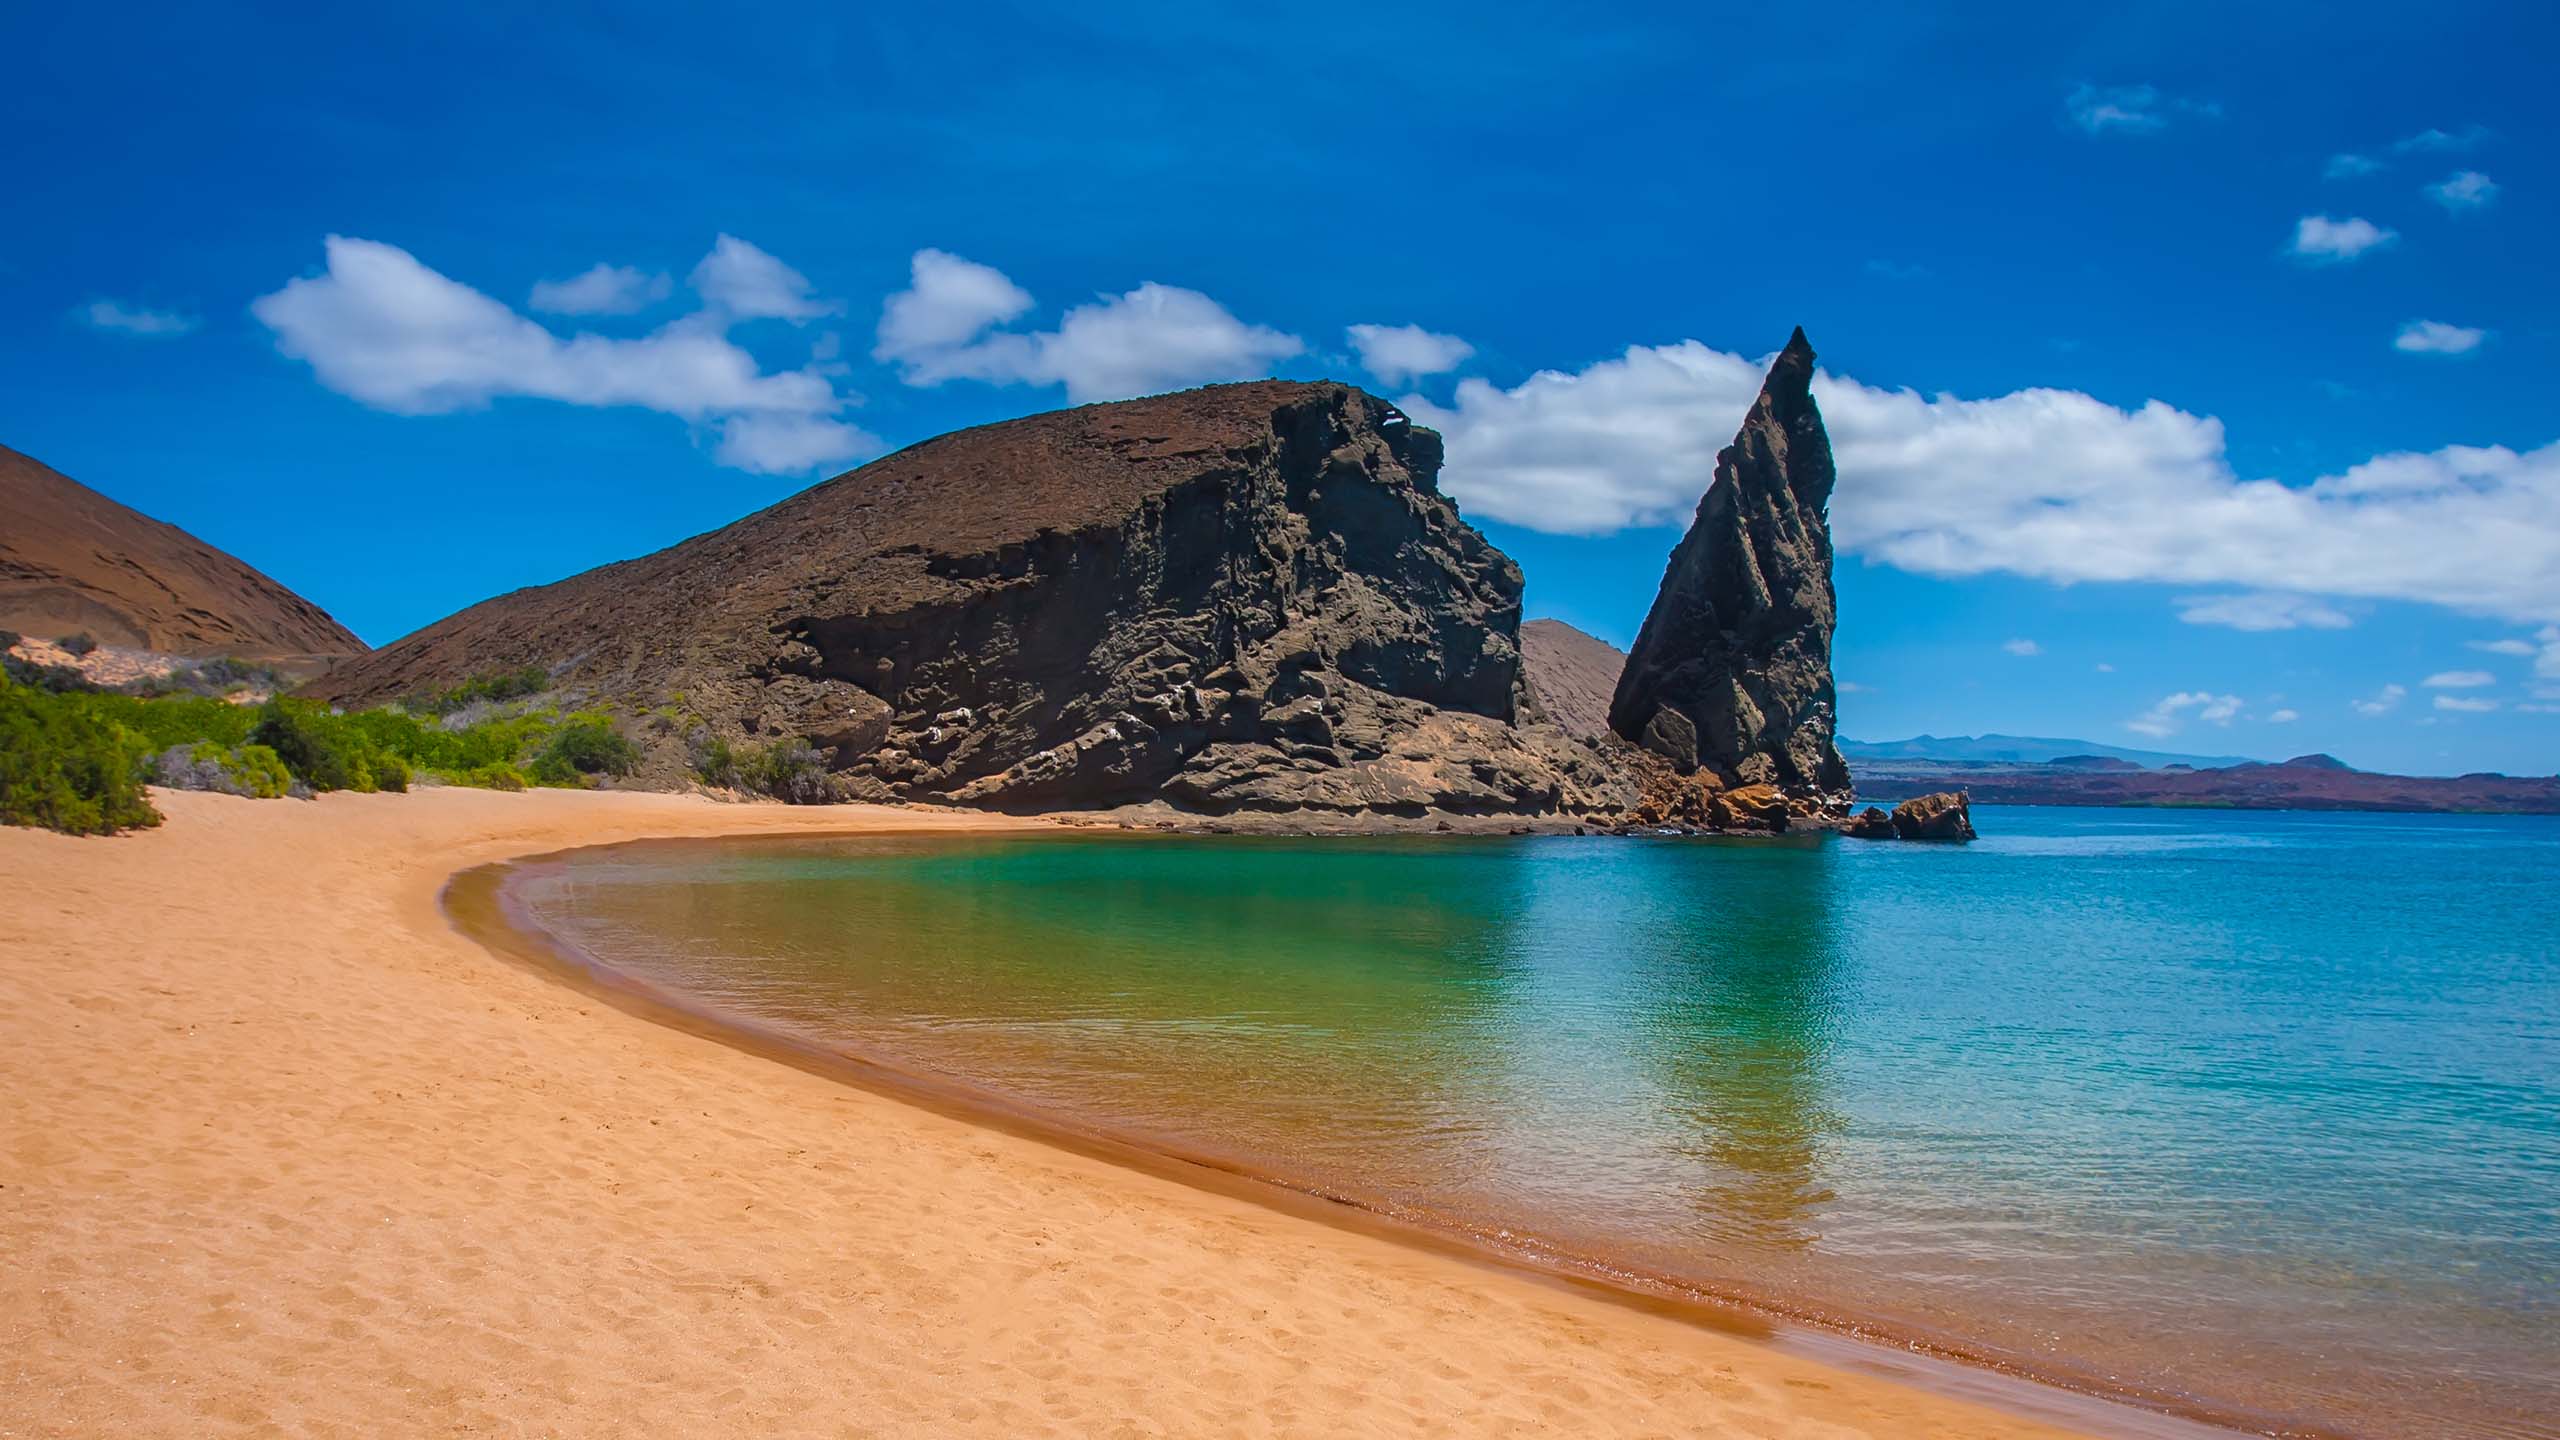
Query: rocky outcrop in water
[1947, 815]
[1246, 598]
[1731, 674]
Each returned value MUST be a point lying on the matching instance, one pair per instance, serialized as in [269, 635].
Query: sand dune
[282, 1152]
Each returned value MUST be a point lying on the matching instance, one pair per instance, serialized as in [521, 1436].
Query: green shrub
[250, 770]
[496, 685]
[584, 746]
[492, 777]
[57, 678]
[789, 770]
[64, 767]
[77, 645]
[322, 750]
[9, 639]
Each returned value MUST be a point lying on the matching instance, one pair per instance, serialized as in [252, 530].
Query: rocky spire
[1732, 671]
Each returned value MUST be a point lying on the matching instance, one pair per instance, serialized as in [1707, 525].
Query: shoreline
[481, 904]
[289, 1149]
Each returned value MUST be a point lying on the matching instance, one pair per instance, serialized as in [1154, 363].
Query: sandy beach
[284, 1152]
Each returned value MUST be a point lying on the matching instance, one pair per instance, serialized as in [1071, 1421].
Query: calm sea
[2258, 1112]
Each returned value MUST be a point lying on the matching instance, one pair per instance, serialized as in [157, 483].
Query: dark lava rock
[1943, 816]
[1243, 598]
[1869, 824]
[1732, 671]
[1571, 676]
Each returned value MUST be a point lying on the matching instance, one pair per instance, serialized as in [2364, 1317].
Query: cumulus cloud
[603, 290]
[2459, 680]
[124, 319]
[2503, 647]
[2171, 713]
[948, 302]
[2435, 337]
[2023, 648]
[745, 283]
[2381, 701]
[380, 327]
[2463, 190]
[2049, 484]
[2284, 717]
[2262, 610]
[2344, 166]
[2131, 109]
[2474, 705]
[1402, 354]
[1151, 339]
[2324, 241]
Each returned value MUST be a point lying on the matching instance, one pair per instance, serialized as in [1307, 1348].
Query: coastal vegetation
[76, 757]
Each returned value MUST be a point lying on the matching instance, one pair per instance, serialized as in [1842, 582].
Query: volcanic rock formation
[73, 561]
[1241, 598]
[1731, 674]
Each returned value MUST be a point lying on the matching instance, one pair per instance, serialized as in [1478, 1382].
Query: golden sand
[283, 1152]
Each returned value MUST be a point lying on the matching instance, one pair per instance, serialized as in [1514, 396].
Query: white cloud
[2468, 704]
[745, 283]
[2130, 109]
[947, 303]
[2434, 337]
[134, 319]
[2459, 680]
[2166, 717]
[790, 444]
[2284, 717]
[2344, 166]
[2382, 701]
[604, 290]
[1402, 354]
[2464, 190]
[1852, 687]
[1152, 339]
[2105, 669]
[2022, 647]
[2322, 240]
[381, 328]
[2050, 484]
[2427, 141]
[2503, 647]
[2262, 610]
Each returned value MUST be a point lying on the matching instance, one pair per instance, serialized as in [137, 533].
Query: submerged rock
[1731, 673]
[1943, 816]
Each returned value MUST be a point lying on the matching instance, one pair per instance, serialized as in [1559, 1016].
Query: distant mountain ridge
[73, 561]
[1998, 749]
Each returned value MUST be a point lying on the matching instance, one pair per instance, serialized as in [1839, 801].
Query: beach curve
[285, 1150]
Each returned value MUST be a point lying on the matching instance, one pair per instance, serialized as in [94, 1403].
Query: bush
[791, 771]
[585, 745]
[492, 777]
[65, 767]
[9, 639]
[77, 645]
[496, 685]
[250, 770]
[56, 678]
[321, 749]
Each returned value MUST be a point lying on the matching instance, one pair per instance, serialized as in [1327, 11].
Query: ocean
[2253, 1115]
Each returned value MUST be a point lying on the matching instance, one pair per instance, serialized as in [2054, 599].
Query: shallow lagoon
[2254, 1111]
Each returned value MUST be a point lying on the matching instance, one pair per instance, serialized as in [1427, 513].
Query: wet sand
[282, 1151]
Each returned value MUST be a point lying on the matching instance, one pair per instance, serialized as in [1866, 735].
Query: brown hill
[2309, 782]
[73, 561]
[1571, 675]
[1241, 598]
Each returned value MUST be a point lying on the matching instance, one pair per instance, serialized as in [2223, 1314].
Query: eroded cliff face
[1245, 598]
[1730, 678]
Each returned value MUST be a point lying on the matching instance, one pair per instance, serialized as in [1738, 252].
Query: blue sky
[2191, 365]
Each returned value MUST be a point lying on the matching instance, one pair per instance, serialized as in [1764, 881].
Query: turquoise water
[2258, 1113]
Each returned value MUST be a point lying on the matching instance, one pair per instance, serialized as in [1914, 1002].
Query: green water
[2254, 1112]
